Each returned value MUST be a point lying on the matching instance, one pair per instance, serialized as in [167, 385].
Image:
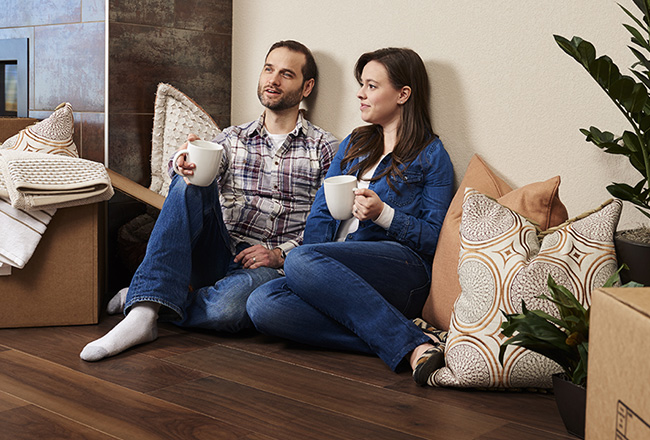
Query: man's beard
[289, 100]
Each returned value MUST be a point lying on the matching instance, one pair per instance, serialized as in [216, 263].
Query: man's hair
[309, 69]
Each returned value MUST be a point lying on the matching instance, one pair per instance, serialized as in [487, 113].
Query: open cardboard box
[618, 380]
[63, 282]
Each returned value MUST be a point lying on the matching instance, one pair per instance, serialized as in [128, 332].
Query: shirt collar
[257, 129]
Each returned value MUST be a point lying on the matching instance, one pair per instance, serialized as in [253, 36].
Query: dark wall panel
[186, 43]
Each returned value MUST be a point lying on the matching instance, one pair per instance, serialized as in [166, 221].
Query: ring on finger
[254, 259]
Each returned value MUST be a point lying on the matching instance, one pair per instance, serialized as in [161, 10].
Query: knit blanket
[36, 181]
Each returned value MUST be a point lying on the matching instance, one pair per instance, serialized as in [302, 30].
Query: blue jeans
[190, 246]
[358, 296]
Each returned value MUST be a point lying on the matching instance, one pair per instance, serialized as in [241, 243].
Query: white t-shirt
[277, 140]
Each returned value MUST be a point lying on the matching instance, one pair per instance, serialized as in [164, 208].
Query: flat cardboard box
[135, 190]
[618, 380]
[64, 280]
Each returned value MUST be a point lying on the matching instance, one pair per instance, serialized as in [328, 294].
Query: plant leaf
[643, 77]
[636, 20]
[570, 47]
[637, 38]
[631, 141]
[604, 71]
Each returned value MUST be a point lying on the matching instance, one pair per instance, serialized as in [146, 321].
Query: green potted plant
[630, 95]
[563, 339]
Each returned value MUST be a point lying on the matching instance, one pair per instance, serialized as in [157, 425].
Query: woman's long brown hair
[405, 68]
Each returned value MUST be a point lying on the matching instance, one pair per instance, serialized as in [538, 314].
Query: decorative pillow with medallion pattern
[502, 262]
[51, 136]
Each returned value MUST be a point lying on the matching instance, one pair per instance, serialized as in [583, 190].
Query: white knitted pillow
[175, 117]
[502, 263]
[52, 135]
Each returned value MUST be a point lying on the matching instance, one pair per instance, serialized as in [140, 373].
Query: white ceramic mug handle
[175, 165]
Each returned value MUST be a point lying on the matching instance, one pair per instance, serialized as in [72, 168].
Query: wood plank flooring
[202, 385]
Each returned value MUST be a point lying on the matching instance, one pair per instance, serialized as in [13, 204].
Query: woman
[357, 284]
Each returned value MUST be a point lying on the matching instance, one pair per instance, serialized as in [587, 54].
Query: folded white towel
[40, 181]
[20, 233]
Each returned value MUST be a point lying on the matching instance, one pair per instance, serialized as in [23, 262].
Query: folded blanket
[43, 181]
[20, 232]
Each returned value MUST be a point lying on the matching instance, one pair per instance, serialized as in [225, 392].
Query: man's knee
[260, 304]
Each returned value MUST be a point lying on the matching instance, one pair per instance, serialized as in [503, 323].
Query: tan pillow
[52, 135]
[538, 202]
[502, 263]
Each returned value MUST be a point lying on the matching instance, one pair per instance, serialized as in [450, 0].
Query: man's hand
[367, 204]
[259, 256]
[187, 168]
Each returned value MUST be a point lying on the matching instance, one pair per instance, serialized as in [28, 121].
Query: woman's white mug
[339, 195]
[207, 158]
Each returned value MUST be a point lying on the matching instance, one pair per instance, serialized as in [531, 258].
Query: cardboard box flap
[631, 298]
[135, 190]
[11, 126]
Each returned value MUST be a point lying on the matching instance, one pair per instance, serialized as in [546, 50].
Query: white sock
[138, 327]
[116, 304]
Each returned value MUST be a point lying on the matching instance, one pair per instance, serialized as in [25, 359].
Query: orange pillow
[538, 202]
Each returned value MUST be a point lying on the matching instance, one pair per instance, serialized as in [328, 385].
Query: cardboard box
[11, 126]
[63, 282]
[618, 381]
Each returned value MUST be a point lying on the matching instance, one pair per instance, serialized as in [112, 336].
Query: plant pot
[571, 400]
[637, 257]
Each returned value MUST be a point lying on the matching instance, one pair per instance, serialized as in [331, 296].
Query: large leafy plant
[630, 95]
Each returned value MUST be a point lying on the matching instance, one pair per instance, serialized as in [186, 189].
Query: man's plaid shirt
[266, 197]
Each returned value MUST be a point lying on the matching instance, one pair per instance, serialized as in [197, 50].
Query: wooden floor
[197, 385]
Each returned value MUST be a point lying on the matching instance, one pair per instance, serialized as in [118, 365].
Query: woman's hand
[259, 256]
[187, 168]
[367, 204]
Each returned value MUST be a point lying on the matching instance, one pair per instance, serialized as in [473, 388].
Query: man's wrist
[280, 253]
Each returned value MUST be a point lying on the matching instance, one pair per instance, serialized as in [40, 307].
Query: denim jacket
[420, 205]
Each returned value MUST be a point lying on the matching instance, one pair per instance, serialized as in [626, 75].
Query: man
[212, 246]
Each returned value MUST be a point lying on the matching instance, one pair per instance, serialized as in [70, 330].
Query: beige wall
[501, 87]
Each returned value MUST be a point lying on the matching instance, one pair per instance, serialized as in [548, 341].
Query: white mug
[339, 195]
[207, 158]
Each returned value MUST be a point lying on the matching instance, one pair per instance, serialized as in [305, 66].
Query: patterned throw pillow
[502, 262]
[538, 201]
[175, 117]
[52, 135]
